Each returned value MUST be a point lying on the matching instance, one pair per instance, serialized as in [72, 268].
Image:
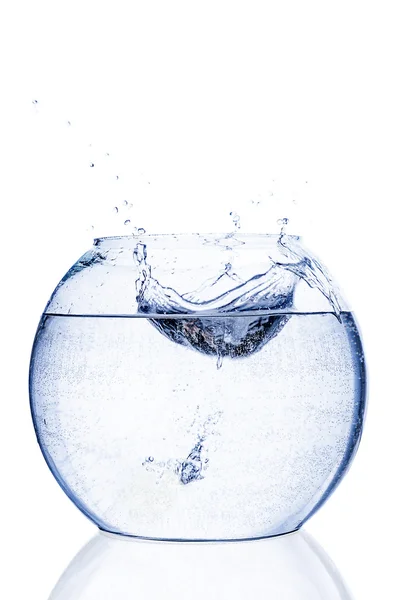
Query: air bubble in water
[127, 222]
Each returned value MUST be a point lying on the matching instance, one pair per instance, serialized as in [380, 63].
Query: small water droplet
[141, 230]
[235, 219]
[115, 210]
[125, 203]
[92, 227]
[91, 165]
[219, 361]
[106, 153]
[117, 176]
[150, 459]
[69, 123]
[283, 221]
[127, 222]
[35, 102]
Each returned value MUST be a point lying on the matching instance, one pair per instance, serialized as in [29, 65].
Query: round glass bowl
[198, 387]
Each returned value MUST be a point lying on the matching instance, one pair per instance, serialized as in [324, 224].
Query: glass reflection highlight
[289, 567]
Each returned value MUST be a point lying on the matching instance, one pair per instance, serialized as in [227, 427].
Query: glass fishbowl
[198, 387]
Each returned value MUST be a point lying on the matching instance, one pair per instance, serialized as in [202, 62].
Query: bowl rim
[196, 236]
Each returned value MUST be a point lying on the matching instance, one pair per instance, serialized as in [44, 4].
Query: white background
[202, 107]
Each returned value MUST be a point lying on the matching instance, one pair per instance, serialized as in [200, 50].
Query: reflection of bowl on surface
[231, 411]
[292, 567]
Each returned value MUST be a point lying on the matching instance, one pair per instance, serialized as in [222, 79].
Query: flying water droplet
[125, 202]
[117, 177]
[127, 222]
[115, 210]
[69, 123]
[219, 361]
[235, 219]
[141, 230]
[91, 165]
[283, 221]
[35, 102]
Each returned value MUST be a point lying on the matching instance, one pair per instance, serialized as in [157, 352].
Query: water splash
[197, 326]
[309, 269]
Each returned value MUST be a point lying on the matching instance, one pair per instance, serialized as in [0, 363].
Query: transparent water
[184, 426]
